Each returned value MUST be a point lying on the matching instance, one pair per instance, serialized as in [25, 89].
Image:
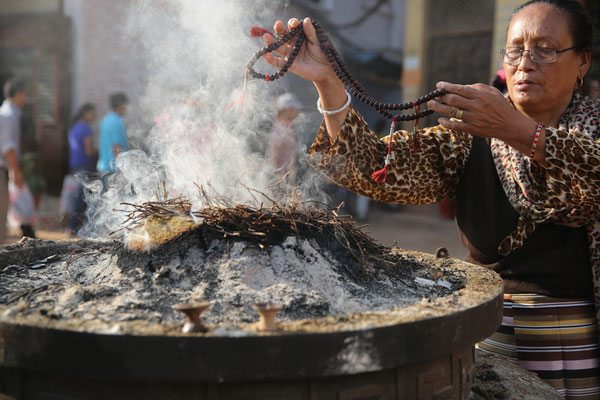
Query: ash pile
[314, 262]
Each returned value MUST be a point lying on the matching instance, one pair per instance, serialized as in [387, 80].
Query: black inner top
[554, 260]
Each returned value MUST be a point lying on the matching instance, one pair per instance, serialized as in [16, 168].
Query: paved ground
[416, 228]
[410, 227]
[50, 225]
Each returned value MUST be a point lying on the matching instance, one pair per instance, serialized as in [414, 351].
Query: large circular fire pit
[423, 351]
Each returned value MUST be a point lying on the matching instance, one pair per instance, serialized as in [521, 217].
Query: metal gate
[459, 42]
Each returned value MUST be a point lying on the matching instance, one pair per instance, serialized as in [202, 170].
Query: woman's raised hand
[482, 110]
[485, 111]
[310, 63]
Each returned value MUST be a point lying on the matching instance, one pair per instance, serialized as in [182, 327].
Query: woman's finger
[279, 28]
[268, 39]
[451, 111]
[310, 31]
[454, 100]
[486, 88]
[461, 90]
[455, 125]
[274, 61]
[292, 23]
[282, 50]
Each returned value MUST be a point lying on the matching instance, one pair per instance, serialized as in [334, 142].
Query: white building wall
[102, 54]
[74, 9]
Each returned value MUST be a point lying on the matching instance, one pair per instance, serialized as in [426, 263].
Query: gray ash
[311, 276]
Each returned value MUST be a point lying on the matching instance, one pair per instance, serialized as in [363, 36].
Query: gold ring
[459, 114]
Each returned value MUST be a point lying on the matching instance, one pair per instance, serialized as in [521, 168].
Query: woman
[81, 152]
[523, 170]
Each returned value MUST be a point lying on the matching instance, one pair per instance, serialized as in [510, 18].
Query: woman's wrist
[332, 93]
[519, 134]
[336, 111]
[332, 96]
[524, 134]
[328, 81]
[536, 138]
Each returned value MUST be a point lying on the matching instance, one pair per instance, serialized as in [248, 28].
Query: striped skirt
[555, 338]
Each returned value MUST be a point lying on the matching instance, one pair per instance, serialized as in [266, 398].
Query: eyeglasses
[540, 55]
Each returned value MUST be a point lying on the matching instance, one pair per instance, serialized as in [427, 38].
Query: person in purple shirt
[81, 152]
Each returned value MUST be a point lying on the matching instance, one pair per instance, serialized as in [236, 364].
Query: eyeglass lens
[513, 55]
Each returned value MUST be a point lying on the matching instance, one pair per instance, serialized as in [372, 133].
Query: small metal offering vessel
[267, 312]
[192, 311]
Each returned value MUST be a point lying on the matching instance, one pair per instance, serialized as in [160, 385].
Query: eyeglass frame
[556, 51]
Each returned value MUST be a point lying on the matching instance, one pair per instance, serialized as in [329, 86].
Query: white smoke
[194, 54]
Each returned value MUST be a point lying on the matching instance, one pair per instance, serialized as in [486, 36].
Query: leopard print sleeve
[421, 175]
[572, 178]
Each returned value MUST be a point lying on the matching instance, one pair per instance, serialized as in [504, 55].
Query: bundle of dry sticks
[270, 225]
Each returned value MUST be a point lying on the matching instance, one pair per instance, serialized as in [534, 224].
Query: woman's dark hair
[12, 87]
[579, 22]
[117, 99]
[87, 107]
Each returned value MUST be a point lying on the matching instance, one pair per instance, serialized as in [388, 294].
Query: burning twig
[271, 225]
[268, 225]
[178, 206]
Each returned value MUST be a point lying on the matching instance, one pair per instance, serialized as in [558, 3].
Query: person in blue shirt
[113, 137]
[81, 152]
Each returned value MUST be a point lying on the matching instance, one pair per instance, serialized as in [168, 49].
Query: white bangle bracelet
[333, 112]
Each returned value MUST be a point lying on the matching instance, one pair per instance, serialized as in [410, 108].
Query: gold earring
[579, 83]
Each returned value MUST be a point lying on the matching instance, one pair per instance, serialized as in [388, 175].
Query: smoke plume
[192, 56]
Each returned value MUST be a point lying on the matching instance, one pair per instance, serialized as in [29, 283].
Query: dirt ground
[47, 229]
[421, 228]
[50, 225]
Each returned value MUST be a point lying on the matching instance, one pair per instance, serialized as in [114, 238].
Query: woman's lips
[525, 84]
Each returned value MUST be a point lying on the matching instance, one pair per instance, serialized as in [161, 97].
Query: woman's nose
[526, 62]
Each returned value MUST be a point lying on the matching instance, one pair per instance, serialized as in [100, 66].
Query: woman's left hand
[485, 111]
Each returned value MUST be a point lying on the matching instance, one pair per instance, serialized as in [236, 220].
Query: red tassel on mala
[258, 31]
[381, 175]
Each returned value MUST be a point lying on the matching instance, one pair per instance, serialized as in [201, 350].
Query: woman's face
[89, 116]
[537, 88]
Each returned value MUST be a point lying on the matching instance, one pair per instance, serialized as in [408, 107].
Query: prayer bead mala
[350, 83]
[341, 70]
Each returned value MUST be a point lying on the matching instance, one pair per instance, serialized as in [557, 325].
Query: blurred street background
[71, 52]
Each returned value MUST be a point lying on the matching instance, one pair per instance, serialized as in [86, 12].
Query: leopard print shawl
[566, 191]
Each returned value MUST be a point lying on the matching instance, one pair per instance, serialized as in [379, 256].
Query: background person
[113, 136]
[81, 153]
[15, 95]
[282, 138]
[499, 81]
[523, 170]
